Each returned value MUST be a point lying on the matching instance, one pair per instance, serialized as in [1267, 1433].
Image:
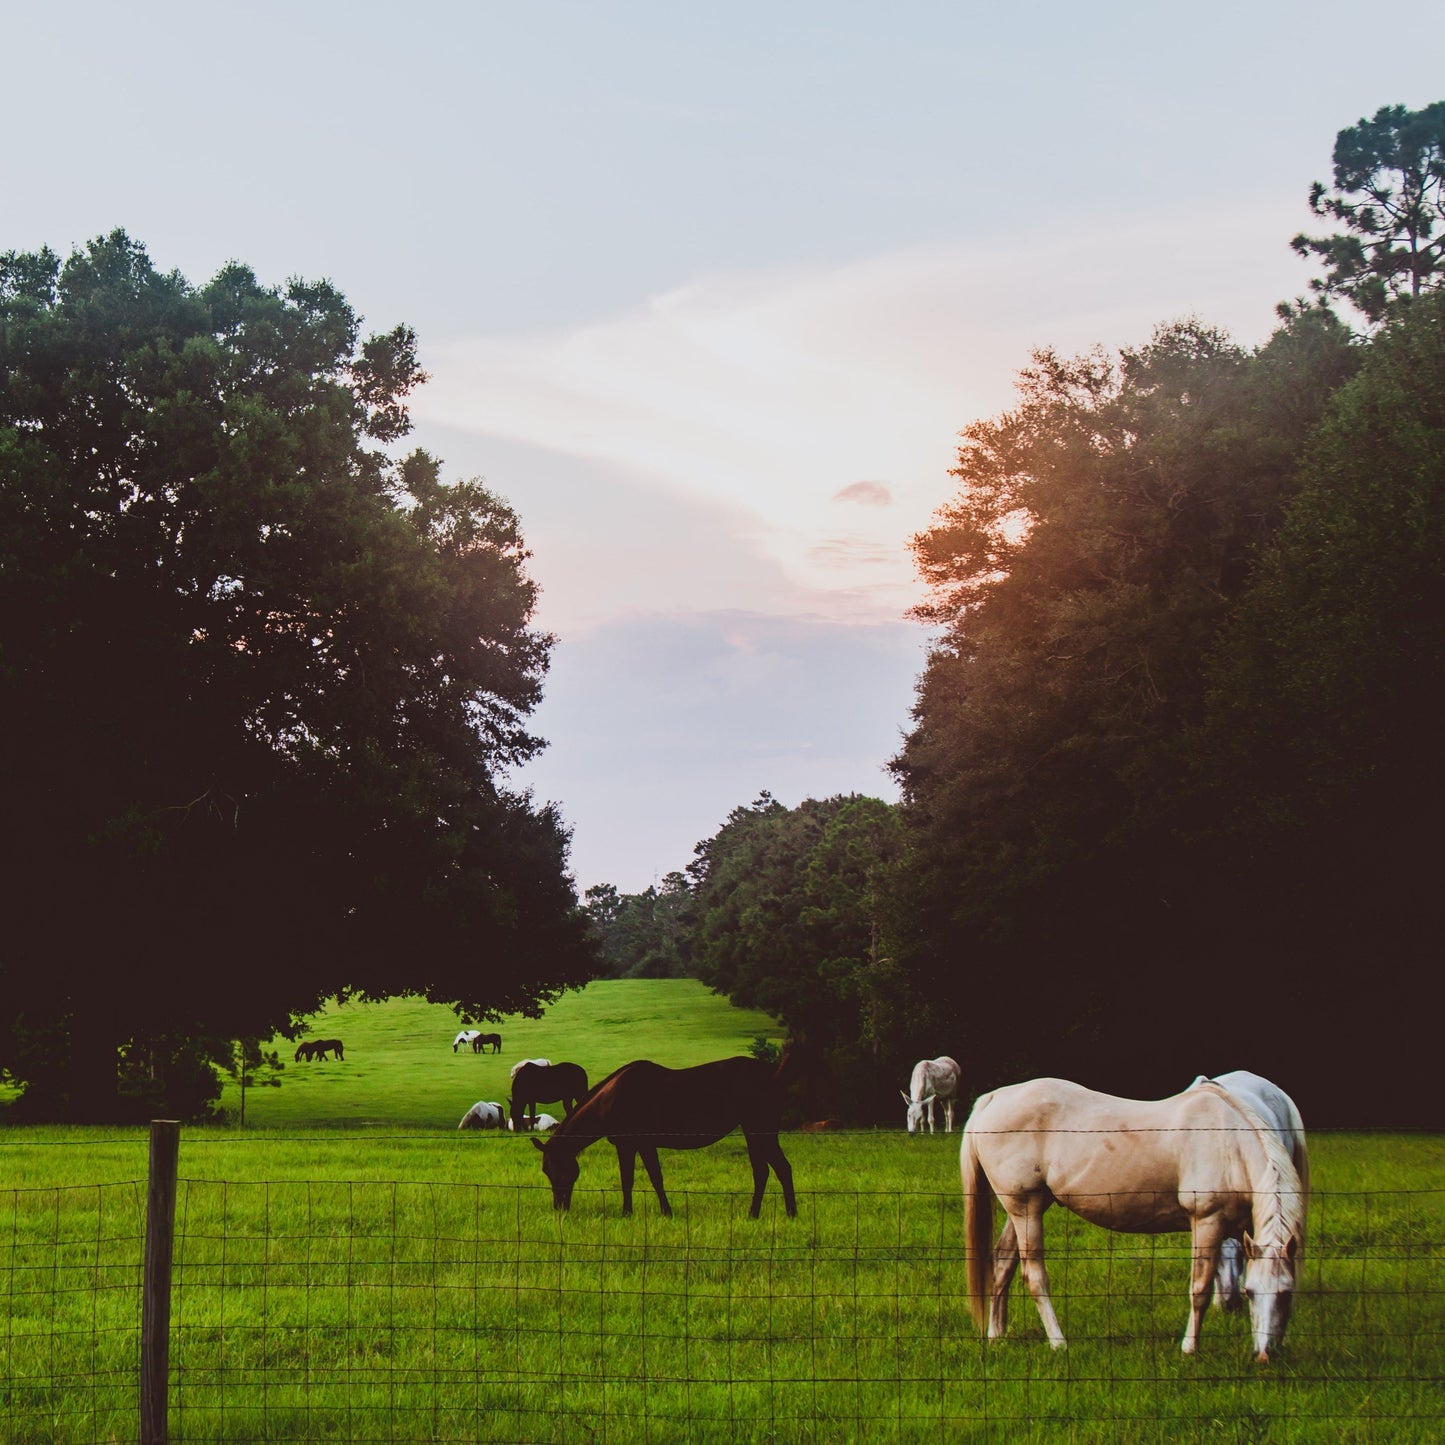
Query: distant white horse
[539, 1125]
[1277, 1110]
[484, 1115]
[467, 1037]
[932, 1079]
[1202, 1161]
[522, 1063]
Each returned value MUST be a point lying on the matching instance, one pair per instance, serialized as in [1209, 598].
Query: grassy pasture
[400, 1069]
[406, 1281]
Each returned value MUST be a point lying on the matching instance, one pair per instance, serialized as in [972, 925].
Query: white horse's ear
[1251, 1249]
[907, 1098]
[537, 1143]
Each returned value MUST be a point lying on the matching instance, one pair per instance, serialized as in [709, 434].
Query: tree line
[1171, 790]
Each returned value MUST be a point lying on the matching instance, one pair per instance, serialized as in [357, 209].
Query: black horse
[534, 1084]
[480, 1042]
[319, 1048]
[644, 1107]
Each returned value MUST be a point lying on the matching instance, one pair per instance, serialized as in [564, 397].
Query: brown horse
[481, 1042]
[534, 1084]
[644, 1107]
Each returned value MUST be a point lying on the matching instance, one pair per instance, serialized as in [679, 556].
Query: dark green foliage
[263, 677]
[1389, 194]
[1321, 747]
[1101, 532]
[643, 935]
[787, 910]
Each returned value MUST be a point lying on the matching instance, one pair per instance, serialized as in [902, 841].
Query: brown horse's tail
[977, 1228]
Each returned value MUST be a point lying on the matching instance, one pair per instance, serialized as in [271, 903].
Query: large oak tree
[261, 678]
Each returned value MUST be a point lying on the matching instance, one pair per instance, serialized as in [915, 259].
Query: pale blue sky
[682, 274]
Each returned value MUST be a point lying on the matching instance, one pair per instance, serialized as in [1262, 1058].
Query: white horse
[522, 1063]
[1277, 1110]
[932, 1079]
[539, 1125]
[484, 1114]
[467, 1037]
[1202, 1161]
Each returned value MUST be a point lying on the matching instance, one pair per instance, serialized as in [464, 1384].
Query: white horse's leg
[928, 1105]
[1030, 1229]
[1005, 1262]
[948, 1115]
[1208, 1234]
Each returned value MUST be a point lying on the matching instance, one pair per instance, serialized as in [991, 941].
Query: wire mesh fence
[380, 1310]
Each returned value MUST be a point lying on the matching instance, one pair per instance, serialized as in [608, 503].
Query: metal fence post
[155, 1328]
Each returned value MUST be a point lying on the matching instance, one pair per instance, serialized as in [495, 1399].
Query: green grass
[400, 1069]
[406, 1281]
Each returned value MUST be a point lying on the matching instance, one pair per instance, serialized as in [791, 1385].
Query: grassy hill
[400, 1069]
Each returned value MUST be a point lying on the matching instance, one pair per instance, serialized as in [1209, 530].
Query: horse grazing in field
[643, 1107]
[480, 1042]
[305, 1051]
[321, 1047]
[538, 1124]
[1202, 1160]
[932, 1079]
[468, 1037]
[534, 1084]
[484, 1115]
[1277, 1110]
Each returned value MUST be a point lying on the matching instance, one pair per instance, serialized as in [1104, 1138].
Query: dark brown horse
[644, 1107]
[484, 1041]
[534, 1084]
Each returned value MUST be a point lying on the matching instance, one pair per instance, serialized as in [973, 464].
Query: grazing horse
[534, 1084]
[932, 1079]
[321, 1047]
[480, 1042]
[467, 1036]
[1202, 1160]
[304, 1051]
[1277, 1110]
[539, 1124]
[644, 1107]
[484, 1115]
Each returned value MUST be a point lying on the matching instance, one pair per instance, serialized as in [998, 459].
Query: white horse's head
[915, 1113]
[1269, 1285]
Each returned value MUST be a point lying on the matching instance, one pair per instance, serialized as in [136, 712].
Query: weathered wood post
[155, 1320]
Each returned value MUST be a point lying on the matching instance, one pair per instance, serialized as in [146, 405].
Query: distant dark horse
[305, 1051]
[480, 1042]
[534, 1084]
[644, 1107]
[320, 1047]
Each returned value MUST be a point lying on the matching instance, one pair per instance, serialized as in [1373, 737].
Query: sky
[707, 292]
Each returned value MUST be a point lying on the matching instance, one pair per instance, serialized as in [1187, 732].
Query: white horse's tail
[977, 1229]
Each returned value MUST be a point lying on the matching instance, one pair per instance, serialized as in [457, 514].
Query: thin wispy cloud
[870, 494]
[775, 392]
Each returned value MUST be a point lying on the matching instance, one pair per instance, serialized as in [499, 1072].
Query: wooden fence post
[155, 1326]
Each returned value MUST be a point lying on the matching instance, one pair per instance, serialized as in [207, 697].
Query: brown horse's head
[561, 1171]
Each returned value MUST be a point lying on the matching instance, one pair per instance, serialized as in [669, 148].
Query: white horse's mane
[1282, 1184]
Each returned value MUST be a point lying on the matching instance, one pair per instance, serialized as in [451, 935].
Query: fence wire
[375, 1311]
